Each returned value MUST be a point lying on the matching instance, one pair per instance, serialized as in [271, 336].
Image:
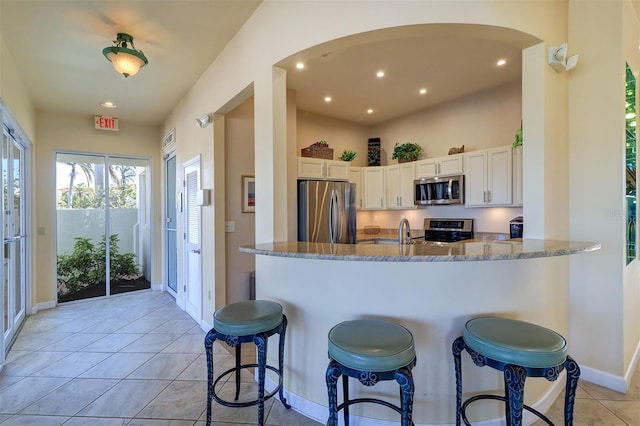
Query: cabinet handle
[380, 201]
[489, 196]
[328, 171]
[484, 196]
[438, 167]
[400, 203]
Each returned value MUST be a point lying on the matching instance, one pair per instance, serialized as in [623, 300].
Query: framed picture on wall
[248, 194]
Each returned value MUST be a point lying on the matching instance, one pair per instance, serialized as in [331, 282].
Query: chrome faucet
[404, 237]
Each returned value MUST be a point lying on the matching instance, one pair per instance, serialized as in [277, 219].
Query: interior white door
[192, 245]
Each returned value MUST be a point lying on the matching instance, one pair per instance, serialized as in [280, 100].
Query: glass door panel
[129, 227]
[171, 223]
[80, 243]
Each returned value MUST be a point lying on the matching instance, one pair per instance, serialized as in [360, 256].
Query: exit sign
[106, 123]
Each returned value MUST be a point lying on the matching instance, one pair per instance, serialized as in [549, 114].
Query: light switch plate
[229, 227]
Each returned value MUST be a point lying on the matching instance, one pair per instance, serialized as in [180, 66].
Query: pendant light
[126, 61]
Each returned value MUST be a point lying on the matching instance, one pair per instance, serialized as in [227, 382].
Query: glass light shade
[125, 63]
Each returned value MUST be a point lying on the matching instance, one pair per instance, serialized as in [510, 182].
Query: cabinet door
[499, 176]
[517, 176]
[355, 177]
[311, 168]
[451, 165]
[475, 179]
[337, 170]
[426, 168]
[405, 190]
[373, 188]
[391, 186]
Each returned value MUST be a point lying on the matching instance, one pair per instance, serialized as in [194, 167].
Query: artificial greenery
[86, 265]
[518, 138]
[406, 151]
[348, 155]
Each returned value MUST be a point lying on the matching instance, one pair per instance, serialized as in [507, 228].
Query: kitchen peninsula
[430, 288]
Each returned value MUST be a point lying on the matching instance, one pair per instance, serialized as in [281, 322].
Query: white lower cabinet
[373, 188]
[488, 177]
[399, 186]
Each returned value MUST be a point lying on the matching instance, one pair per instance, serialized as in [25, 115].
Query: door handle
[196, 251]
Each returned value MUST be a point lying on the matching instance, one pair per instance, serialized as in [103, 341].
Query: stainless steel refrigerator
[326, 212]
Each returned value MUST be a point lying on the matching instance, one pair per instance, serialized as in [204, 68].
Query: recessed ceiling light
[422, 91]
[108, 104]
[300, 65]
[380, 74]
[370, 111]
[327, 98]
[501, 62]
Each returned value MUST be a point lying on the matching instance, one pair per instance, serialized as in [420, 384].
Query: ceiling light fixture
[327, 98]
[300, 65]
[501, 62]
[369, 111]
[380, 74]
[126, 61]
[108, 104]
[422, 91]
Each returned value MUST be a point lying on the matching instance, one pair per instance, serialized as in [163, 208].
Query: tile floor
[137, 359]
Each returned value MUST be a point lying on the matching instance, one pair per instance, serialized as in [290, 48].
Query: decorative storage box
[315, 151]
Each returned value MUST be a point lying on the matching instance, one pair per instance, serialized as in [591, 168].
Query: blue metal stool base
[260, 340]
[514, 379]
[368, 378]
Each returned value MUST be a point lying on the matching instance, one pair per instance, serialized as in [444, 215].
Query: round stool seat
[247, 317]
[371, 345]
[515, 342]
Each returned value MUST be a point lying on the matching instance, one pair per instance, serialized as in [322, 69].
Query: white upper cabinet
[373, 188]
[488, 177]
[399, 186]
[355, 177]
[317, 168]
[440, 166]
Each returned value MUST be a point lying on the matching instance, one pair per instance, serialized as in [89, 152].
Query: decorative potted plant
[348, 155]
[406, 152]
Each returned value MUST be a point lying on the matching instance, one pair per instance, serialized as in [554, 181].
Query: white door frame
[192, 237]
[165, 225]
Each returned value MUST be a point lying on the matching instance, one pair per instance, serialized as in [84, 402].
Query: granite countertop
[479, 248]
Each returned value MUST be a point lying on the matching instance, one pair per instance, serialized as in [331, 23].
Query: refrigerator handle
[333, 217]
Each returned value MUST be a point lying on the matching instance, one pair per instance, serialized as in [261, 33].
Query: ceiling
[57, 47]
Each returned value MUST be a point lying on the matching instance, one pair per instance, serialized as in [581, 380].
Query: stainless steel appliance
[448, 230]
[439, 190]
[326, 212]
[516, 227]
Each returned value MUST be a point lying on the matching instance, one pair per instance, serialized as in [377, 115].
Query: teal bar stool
[371, 351]
[246, 322]
[519, 349]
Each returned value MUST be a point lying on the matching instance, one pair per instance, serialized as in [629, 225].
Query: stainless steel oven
[448, 230]
[439, 190]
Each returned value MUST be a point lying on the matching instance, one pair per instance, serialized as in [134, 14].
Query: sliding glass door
[14, 236]
[103, 225]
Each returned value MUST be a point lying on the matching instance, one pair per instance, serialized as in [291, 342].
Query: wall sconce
[558, 58]
[204, 121]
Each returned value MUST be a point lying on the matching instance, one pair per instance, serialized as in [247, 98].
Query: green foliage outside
[84, 197]
[85, 266]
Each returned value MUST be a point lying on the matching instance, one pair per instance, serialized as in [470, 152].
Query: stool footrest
[228, 403]
[503, 399]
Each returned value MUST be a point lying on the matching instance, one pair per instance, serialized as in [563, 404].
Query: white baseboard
[320, 413]
[205, 326]
[42, 306]
[611, 381]
[157, 287]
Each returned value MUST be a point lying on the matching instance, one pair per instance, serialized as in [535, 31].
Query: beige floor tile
[163, 366]
[73, 365]
[600, 392]
[21, 420]
[157, 422]
[174, 326]
[628, 411]
[36, 341]
[220, 413]
[280, 416]
[33, 362]
[117, 366]
[151, 343]
[141, 325]
[587, 412]
[70, 398]
[74, 342]
[27, 391]
[6, 381]
[197, 370]
[112, 342]
[180, 400]
[125, 399]
[96, 421]
[187, 343]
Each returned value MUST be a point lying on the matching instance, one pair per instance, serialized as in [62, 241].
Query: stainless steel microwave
[439, 190]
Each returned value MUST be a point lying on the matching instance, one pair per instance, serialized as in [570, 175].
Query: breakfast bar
[432, 289]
